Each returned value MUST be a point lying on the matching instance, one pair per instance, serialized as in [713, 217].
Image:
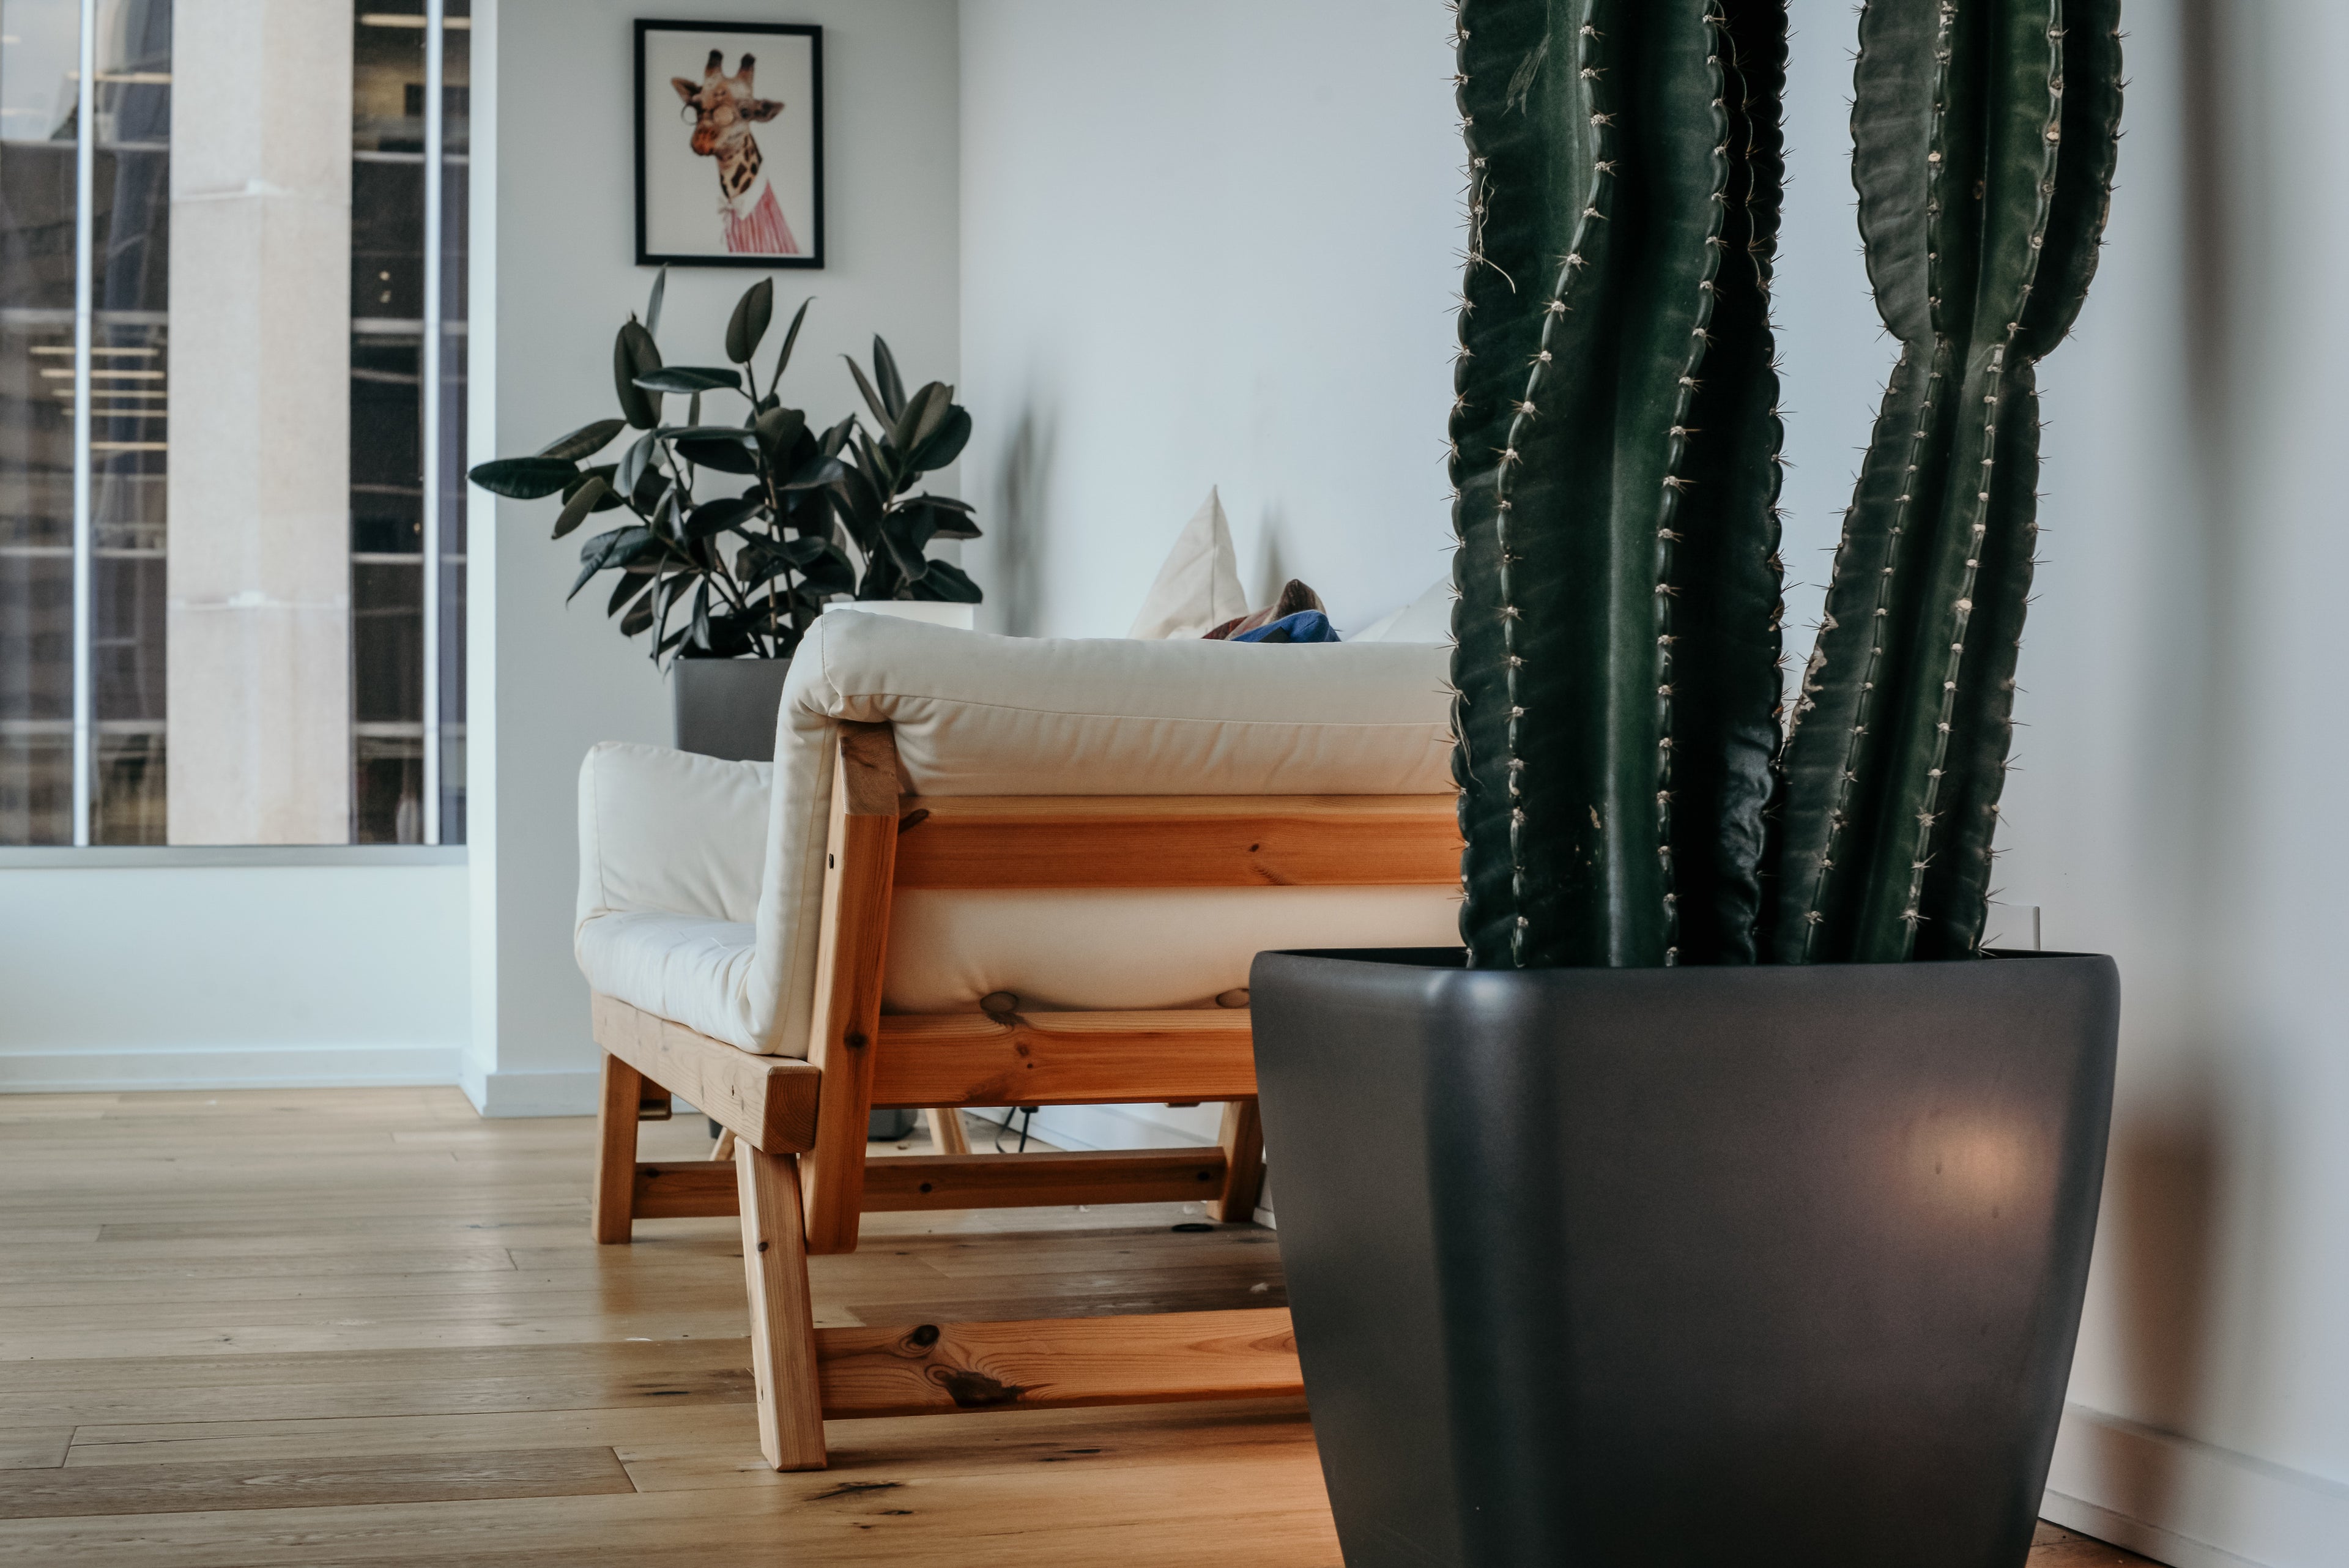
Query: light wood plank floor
[365, 1326]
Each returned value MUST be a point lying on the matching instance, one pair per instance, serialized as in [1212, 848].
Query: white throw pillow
[1427, 618]
[1198, 589]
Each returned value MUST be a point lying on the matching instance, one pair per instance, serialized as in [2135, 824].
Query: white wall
[553, 269]
[1206, 244]
[163, 977]
[1214, 244]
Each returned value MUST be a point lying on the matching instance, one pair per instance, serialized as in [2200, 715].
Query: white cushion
[1427, 618]
[1198, 586]
[975, 714]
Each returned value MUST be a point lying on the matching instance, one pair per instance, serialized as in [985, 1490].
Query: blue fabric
[1305, 626]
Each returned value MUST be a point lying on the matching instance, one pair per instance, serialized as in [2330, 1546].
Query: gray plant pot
[727, 707]
[1685, 1268]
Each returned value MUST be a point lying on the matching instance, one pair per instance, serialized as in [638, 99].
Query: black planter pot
[728, 707]
[1703, 1266]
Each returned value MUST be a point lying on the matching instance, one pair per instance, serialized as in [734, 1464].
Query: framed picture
[730, 144]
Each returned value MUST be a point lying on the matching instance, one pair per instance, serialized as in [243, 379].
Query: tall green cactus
[1614, 445]
[1984, 136]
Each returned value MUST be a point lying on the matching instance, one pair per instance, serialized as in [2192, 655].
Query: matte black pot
[1702, 1267]
[728, 707]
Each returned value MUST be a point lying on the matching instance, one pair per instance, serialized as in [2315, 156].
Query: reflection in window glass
[39, 69]
[402, 784]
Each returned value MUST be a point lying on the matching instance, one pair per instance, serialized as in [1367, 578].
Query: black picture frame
[648, 251]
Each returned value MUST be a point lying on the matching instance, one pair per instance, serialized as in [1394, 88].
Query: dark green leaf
[690, 378]
[615, 548]
[728, 453]
[635, 354]
[633, 462]
[633, 581]
[882, 579]
[717, 516]
[525, 478]
[860, 507]
[586, 441]
[651, 485]
[749, 323]
[637, 618]
[936, 517]
[587, 498]
[829, 573]
[917, 416]
[653, 304]
[877, 466]
[778, 430]
[871, 398]
[700, 631]
[947, 582]
[790, 339]
[835, 440]
[892, 386]
[816, 473]
[606, 471]
[943, 444]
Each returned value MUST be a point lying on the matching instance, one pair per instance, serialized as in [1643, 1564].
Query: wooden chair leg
[782, 1319]
[1243, 1141]
[947, 1135]
[611, 1209]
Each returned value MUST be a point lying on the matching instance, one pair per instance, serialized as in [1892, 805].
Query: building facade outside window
[232, 417]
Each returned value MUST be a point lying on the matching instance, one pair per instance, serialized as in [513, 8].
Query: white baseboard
[555, 1094]
[2189, 1503]
[225, 1068]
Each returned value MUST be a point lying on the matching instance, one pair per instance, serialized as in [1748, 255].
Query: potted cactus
[1708, 1222]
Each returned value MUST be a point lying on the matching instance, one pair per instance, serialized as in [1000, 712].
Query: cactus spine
[1614, 441]
[1984, 134]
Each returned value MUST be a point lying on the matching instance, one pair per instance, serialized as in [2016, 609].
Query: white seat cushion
[987, 715]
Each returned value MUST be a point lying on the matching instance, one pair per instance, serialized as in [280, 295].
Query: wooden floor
[330, 1327]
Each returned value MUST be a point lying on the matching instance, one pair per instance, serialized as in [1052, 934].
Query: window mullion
[428, 366]
[84, 564]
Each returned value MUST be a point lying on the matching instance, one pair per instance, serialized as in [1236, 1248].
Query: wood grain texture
[898, 1182]
[782, 1320]
[1179, 841]
[32, 1447]
[1048, 1364]
[861, 856]
[1064, 1058]
[771, 1100]
[611, 1209]
[464, 1309]
[1242, 1141]
[309, 1483]
[685, 1189]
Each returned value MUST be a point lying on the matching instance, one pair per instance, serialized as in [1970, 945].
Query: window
[232, 417]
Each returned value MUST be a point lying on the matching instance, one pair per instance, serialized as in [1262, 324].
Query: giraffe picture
[730, 144]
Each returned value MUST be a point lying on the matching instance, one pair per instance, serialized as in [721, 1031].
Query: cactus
[1613, 455]
[1984, 134]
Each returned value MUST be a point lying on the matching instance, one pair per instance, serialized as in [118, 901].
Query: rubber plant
[798, 516]
[1628, 795]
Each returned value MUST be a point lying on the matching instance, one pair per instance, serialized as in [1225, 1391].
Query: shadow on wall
[2164, 1176]
[1019, 527]
[1272, 573]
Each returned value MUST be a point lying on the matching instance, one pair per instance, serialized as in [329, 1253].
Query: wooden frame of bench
[800, 1178]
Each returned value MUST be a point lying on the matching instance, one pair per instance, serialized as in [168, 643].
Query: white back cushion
[1198, 586]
